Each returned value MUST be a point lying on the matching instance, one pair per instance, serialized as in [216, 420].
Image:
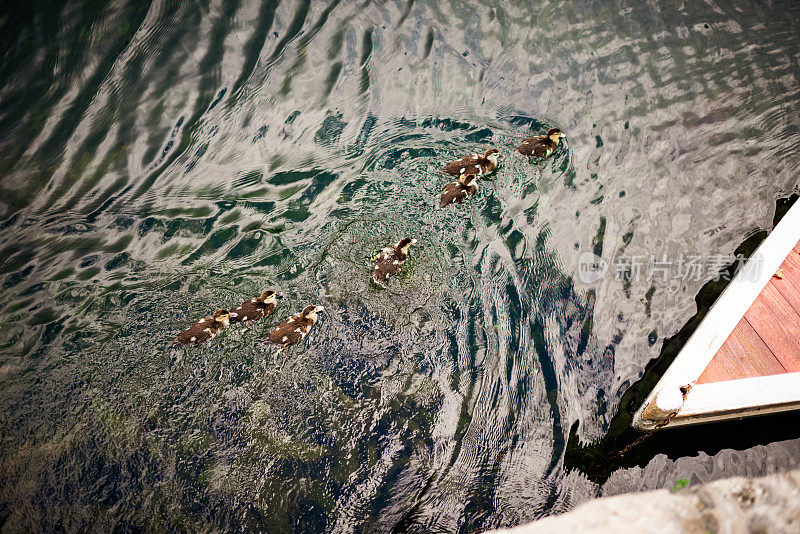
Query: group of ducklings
[292, 330]
[469, 168]
[387, 263]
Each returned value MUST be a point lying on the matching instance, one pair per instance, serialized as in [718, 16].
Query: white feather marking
[193, 339]
[244, 318]
[461, 171]
[202, 320]
[395, 262]
[206, 330]
[291, 320]
[284, 339]
[252, 300]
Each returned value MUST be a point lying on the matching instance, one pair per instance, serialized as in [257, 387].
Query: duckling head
[269, 296]
[555, 134]
[405, 244]
[223, 316]
[493, 155]
[467, 180]
[311, 311]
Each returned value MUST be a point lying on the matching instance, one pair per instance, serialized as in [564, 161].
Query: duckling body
[541, 146]
[255, 309]
[456, 192]
[390, 260]
[474, 164]
[294, 329]
[204, 329]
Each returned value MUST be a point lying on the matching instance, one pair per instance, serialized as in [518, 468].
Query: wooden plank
[797, 247]
[774, 319]
[719, 368]
[724, 316]
[744, 354]
[789, 286]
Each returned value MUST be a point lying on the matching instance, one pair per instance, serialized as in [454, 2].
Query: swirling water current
[159, 160]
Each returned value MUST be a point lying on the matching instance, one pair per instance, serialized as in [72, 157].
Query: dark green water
[161, 160]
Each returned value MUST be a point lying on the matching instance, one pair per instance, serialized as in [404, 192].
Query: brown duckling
[255, 309]
[390, 260]
[456, 192]
[475, 164]
[541, 146]
[295, 328]
[204, 330]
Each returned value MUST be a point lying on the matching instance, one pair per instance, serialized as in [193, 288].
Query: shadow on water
[599, 460]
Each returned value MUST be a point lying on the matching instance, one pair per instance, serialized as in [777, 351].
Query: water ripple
[162, 160]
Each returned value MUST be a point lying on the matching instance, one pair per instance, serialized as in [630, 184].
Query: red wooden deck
[767, 339]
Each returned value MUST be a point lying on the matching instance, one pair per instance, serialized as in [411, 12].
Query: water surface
[162, 160]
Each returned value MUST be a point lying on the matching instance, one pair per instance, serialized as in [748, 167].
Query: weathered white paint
[726, 313]
[733, 399]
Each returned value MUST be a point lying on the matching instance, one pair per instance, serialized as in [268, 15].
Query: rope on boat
[661, 411]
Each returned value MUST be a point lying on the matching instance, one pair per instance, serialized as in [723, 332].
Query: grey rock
[769, 504]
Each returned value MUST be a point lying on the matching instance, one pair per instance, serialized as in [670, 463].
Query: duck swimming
[204, 330]
[390, 260]
[456, 192]
[255, 309]
[294, 329]
[541, 146]
[475, 164]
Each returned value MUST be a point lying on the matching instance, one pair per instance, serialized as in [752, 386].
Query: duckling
[204, 330]
[475, 164]
[456, 192]
[296, 327]
[252, 310]
[389, 261]
[541, 146]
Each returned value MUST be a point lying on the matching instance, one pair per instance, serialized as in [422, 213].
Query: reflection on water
[158, 161]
